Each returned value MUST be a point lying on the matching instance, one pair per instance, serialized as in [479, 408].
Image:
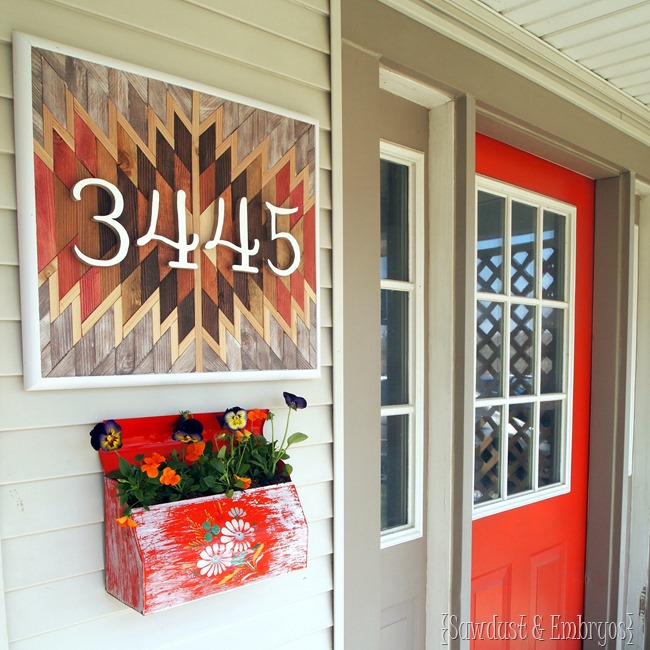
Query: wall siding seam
[248, 22]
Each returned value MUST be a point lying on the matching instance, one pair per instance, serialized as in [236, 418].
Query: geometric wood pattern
[142, 316]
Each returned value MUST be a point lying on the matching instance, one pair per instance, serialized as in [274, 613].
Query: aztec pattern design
[142, 316]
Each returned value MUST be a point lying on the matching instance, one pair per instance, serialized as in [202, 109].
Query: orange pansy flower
[256, 414]
[169, 477]
[242, 435]
[246, 481]
[126, 521]
[151, 463]
[194, 450]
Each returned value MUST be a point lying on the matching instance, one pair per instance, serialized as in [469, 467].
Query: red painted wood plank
[69, 269]
[85, 145]
[209, 278]
[91, 291]
[296, 200]
[282, 185]
[298, 288]
[65, 163]
[284, 301]
[45, 224]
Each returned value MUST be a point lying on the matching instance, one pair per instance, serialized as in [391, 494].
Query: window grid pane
[530, 250]
[394, 471]
[395, 340]
[520, 438]
[554, 256]
[489, 349]
[523, 249]
[522, 349]
[491, 237]
[487, 453]
[394, 221]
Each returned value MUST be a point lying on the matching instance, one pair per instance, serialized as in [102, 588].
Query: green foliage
[235, 460]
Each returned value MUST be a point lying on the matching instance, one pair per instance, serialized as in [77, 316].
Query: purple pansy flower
[235, 418]
[187, 429]
[106, 436]
[294, 401]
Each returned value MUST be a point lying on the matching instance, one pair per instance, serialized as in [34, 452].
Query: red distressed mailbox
[188, 549]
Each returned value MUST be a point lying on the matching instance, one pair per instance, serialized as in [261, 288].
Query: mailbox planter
[181, 550]
[190, 549]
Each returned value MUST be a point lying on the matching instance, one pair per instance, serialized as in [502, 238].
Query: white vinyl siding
[51, 502]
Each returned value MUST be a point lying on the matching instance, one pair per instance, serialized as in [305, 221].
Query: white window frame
[414, 527]
[512, 193]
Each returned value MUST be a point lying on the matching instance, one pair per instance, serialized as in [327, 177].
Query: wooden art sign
[168, 231]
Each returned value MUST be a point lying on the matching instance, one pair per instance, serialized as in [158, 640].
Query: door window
[524, 316]
[401, 334]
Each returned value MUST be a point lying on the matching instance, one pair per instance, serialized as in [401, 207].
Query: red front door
[528, 551]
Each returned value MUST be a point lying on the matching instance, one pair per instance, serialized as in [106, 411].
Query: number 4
[182, 245]
[247, 251]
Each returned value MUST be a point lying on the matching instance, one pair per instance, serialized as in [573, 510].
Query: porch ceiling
[608, 37]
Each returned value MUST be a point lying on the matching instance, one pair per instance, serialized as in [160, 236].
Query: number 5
[283, 235]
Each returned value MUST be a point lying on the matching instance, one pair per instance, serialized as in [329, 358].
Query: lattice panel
[551, 376]
[550, 273]
[522, 349]
[519, 448]
[489, 348]
[522, 249]
[489, 271]
[550, 441]
[522, 273]
[553, 270]
[143, 316]
[487, 453]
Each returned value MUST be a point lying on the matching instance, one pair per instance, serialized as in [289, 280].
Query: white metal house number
[183, 246]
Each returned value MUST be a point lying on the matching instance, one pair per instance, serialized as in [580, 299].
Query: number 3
[108, 219]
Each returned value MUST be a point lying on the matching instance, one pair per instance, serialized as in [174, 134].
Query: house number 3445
[184, 246]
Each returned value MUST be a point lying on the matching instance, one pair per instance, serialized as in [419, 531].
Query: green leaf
[288, 469]
[207, 537]
[125, 466]
[206, 525]
[296, 437]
